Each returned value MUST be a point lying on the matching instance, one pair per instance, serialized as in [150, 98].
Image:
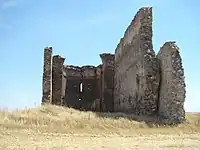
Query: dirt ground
[36, 141]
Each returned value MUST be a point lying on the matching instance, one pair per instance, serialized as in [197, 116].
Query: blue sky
[80, 31]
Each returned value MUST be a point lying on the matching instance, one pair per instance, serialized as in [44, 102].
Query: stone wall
[64, 82]
[172, 85]
[47, 76]
[107, 81]
[89, 81]
[97, 85]
[57, 77]
[72, 90]
[98, 102]
[82, 87]
[136, 68]
[133, 80]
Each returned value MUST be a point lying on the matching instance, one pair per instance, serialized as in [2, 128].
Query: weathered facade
[47, 76]
[136, 68]
[172, 85]
[82, 87]
[133, 80]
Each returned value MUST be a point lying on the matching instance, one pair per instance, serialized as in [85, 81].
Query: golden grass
[56, 119]
[54, 127]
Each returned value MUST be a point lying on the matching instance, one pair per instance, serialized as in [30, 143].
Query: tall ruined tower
[47, 76]
[146, 84]
[57, 79]
[172, 85]
[136, 68]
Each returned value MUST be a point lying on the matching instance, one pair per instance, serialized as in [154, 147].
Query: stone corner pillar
[107, 81]
[47, 76]
[172, 88]
[99, 86]
[57, 79]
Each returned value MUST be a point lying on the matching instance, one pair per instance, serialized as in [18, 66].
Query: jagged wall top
[49, 48]
[132, 30]
[170, 45]
[58, 56]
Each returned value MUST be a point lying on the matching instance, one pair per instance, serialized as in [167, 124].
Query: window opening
[81, 87]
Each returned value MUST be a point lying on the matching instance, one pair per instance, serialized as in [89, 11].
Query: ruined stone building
[133, 80]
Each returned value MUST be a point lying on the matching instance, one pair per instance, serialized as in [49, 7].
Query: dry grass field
[57, 128]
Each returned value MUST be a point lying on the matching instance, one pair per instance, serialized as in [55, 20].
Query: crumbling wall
[57, 77]
[136, 68]
[47, 76]
[64, 82]
[172, 85]
[82, 89]
[133, 80]
[107, 81]
[98, 102]
[72, 91]
[89, 80]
